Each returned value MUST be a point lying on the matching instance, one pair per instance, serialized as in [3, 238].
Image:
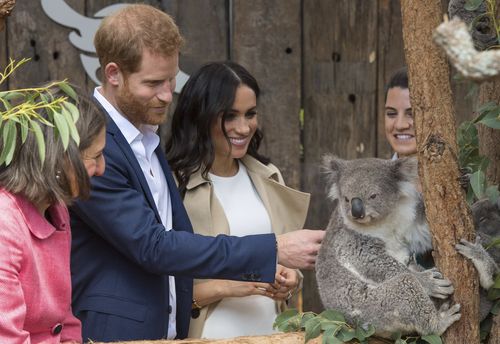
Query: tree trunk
[6, 7]
[446, 209]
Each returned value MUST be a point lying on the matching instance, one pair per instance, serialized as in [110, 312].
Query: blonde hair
[123, 36]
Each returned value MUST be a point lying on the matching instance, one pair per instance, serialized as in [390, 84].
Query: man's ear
[112, 74]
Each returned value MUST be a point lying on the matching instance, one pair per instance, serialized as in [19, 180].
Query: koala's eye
[346, 199]
[373, 196]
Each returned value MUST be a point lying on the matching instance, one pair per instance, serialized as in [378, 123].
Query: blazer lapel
[113, 130]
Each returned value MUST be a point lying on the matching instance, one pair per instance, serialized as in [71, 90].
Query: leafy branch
[335, 329]
[23, 110]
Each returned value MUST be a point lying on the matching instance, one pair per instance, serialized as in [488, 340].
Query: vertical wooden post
[446, 208]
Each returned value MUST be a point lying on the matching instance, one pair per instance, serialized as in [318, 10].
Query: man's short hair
[123, 36]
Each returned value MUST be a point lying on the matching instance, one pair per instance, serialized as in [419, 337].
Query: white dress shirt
[143, 142]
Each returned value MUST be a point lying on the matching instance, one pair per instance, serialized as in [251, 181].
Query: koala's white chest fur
[402, 232]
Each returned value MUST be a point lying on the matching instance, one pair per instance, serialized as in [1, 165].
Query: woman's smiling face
[399, 128]
[240, 124]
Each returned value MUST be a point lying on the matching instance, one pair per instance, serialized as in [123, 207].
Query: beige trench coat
[287, 209]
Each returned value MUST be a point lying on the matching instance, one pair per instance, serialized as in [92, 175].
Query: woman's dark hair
[209, 93]
[398, 79]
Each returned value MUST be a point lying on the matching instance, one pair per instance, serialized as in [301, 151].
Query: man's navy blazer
[122, 255]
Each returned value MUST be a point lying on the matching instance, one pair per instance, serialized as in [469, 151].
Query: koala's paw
[447, 316]
[471, 250]
[435, 284]
[484, 263]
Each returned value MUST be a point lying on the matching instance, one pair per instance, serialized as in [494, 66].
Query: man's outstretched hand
[298, 249]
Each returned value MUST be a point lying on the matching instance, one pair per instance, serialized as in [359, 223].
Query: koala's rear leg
[402, 304]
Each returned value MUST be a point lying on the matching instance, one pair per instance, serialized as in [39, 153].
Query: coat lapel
[115, 133]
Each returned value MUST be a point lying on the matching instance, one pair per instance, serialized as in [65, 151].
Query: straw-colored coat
[287, 209]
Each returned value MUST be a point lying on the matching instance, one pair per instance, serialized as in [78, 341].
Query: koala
[364, 267]
[486, 217]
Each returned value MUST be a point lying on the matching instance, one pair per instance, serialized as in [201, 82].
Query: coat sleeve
[119, 212]
[12, 302]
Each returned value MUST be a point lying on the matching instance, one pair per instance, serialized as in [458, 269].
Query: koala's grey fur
[363, 265]
[486, 217]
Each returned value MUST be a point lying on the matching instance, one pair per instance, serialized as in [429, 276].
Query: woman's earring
[58, 174]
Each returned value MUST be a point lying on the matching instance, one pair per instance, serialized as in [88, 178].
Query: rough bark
[6, 7]
[446, 209]
[280, 338]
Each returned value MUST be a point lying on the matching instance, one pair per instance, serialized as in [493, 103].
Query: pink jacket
[35, 281]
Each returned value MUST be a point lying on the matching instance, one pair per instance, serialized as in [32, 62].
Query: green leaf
[492, 193]
[68, 90]
[10, 95]
[313, 329]
[24, 129]
[71, 125]
[396, 335]
[329, 338]
[62, 128]
[305, 317]
[493, 243]
[472, 5]
[370, 330]
[494, 293]
[327, 325]
[491, 122]
[478, 183]
[9, 134]
[346, 334]
[400, 341]
[289, 313]
[73, 110]
[40, 140]
[484, 109]
[432, 339]
[332, 315]
[496, 308]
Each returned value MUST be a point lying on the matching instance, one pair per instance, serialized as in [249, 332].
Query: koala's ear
[406, 169]
[332, 168]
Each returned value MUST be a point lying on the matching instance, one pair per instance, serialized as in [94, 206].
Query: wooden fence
[330, 58]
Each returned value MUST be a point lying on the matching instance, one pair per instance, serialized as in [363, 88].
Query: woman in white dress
[229, 188]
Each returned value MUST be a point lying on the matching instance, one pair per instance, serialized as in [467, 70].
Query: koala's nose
[357, 208]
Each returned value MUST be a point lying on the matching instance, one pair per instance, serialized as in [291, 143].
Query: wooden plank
[390, 57]
[31, 34]
[267, 41]
[340, 89]
[204, 26]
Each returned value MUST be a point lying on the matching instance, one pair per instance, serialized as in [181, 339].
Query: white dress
[246, 215]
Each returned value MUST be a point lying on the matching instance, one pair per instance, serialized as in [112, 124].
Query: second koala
[363, 267]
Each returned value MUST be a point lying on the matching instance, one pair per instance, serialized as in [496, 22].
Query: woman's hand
[287, 281]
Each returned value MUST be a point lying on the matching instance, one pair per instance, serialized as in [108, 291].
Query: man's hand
[298, 249]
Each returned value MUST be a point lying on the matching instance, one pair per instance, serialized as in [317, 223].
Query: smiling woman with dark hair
[35, 285]
[230, 188]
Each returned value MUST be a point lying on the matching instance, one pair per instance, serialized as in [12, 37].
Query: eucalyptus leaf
[62, 128]
[332, 314]
[10, 95]
[312, 328]
[346, 334]
[493, 243]
[484, 108]
[432, 339]
[66, 88]
[11, 143]
[327, 325]
[305, 317]
[40, 140]
[491, 122]
[71, 125]
[494, 293]
[492, 193]
[286, 315]
[496, 308]
[330, 338]
[73, 110]
[478, 183]
[24, 129]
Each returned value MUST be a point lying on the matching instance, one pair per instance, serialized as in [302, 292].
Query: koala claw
[435, 284]
[447, 316]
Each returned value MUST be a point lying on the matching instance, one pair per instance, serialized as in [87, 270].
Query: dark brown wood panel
[390, 58]
[267, 41]
[31, 34]
[340, 89]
